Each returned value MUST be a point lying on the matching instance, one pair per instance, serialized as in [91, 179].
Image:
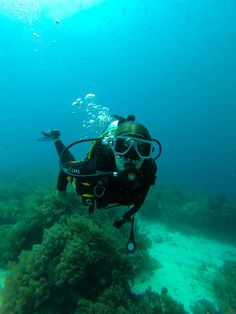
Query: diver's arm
[150, 177]
[140, 200]
[134, 208]
[149, 169]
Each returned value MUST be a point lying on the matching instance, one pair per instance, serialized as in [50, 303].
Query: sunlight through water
[30, 10]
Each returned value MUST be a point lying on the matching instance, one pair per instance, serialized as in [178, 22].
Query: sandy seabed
[188, 264]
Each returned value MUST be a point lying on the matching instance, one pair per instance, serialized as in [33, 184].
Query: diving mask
[121, 145]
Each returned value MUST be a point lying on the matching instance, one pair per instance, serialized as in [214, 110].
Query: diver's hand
[118, 223]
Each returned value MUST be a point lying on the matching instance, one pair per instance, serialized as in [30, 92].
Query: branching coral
[118, 299]
[72, 263]
[224, 286]
[76, 259]
[37, 212]
[184, 210]
[204, 306]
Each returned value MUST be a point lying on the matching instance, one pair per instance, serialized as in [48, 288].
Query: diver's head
[131, 145]
[133, 128]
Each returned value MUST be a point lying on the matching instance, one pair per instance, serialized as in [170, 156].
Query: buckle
[99, 189]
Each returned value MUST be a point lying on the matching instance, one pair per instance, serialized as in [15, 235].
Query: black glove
[118, 223]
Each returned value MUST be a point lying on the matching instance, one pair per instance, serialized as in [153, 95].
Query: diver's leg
[54, 135]
[60, 147]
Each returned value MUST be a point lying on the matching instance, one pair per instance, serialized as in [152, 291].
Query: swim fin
[49, 135]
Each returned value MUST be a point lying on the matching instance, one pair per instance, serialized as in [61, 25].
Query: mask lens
[122, 145]
[144, 148]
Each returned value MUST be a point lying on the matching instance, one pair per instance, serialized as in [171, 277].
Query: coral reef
[225, 288]
[214, 215]
[25, 218]
[118, 299]
[66, 262]
[204, 306]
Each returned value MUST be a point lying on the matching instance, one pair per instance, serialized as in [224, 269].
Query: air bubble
[95, 116]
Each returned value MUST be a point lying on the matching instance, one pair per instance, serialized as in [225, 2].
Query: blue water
[172, 63]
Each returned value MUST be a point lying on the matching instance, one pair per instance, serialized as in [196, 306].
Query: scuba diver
[118, 170]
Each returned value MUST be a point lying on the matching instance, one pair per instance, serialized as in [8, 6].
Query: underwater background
[171, 63]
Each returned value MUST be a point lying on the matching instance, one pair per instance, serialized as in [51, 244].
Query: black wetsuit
[108, 189]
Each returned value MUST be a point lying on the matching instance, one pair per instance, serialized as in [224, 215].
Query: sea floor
[187, 264]
[2, 275]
